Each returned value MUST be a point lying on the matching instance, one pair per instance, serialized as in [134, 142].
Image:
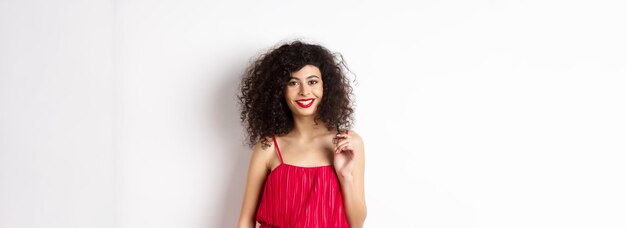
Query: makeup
[305, 103]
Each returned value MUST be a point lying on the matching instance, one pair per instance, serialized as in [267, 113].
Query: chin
[311, 111]
[305, 113]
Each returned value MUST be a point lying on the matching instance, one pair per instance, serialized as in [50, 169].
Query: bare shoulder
[356, 139]
[262, 152]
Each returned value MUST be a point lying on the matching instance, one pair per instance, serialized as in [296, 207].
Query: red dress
[296, 196]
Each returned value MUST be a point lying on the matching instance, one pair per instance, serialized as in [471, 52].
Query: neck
[304, 127]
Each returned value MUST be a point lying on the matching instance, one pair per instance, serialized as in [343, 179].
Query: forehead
[306, 71]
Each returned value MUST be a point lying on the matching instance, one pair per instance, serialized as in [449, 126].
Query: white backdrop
[474, 113]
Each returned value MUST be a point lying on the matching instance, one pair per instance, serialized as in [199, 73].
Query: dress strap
[278, 149]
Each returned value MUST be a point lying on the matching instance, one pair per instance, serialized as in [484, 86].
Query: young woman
[305, 170]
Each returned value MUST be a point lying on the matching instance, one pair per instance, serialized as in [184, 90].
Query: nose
[304, 90]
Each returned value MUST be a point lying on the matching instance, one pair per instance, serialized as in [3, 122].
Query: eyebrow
[312, 76]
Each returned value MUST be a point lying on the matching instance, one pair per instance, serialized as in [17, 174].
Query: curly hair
[264, 110]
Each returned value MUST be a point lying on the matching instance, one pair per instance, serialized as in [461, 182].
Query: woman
[305, 170]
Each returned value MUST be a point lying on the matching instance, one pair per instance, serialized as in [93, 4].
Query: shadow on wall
[236, 157]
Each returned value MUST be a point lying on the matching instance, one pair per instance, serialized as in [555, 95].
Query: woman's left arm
[350, 171]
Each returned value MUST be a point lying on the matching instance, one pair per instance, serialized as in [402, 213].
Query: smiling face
[304, 91]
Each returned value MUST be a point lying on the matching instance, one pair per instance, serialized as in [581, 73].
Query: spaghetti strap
[278, 149]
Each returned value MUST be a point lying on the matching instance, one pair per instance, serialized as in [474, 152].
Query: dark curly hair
[264, 110]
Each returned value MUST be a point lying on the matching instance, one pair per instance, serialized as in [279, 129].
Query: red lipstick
[305, 103]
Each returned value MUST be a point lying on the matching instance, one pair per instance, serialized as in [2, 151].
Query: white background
[474, 113]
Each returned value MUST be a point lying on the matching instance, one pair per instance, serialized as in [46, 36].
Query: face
[304, 91]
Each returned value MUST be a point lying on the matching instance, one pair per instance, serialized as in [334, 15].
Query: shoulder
[262, 151]
[357, 142]
[355, 137]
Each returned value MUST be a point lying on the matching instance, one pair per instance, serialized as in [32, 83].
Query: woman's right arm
[257, 173]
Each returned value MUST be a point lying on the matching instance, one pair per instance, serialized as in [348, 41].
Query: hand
[344, 155]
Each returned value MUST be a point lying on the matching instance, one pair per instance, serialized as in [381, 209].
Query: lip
[305, 99]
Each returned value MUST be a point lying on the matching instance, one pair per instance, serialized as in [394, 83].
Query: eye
[313, 82]
[292, 83]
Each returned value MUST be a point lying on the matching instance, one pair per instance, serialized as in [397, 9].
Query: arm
[257, 173]
[352, 183]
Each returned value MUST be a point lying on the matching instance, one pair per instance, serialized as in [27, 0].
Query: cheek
[289, 93]
[319, 90]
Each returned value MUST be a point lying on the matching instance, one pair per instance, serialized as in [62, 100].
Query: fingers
[347, 150]
[340, 137]
[343, 146]
[343, 143]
